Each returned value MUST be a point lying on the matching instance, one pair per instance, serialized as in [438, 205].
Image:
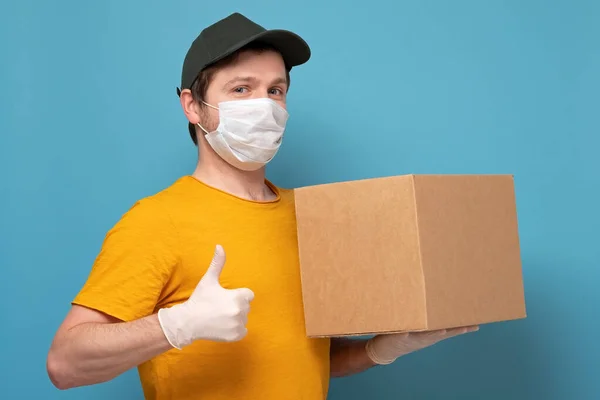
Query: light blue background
[90, 122]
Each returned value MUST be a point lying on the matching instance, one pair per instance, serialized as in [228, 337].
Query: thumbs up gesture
[211, 313]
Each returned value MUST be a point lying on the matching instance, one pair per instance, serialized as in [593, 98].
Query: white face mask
[249, 132]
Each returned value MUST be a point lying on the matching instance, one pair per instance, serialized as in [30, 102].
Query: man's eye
[239, 89]
[276, 92]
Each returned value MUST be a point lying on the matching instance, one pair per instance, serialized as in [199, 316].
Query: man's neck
[245, 184]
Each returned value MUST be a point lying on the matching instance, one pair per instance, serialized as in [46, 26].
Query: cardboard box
[409, 253]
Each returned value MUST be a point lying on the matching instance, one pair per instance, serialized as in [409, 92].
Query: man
[161, 296]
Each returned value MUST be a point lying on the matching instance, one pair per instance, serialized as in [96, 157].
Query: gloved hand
[211, 313]
[386, 348]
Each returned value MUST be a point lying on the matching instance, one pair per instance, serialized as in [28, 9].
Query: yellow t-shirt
[157, 253]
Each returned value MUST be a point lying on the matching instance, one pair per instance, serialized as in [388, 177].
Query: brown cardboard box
[409, 253]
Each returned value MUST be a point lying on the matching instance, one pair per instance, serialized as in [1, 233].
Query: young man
[161, 296]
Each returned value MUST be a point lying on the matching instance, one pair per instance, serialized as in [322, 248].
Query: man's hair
[202, 81]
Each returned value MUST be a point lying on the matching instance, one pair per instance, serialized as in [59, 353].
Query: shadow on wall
[504, 360]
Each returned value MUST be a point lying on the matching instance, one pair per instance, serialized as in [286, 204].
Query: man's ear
[189, 106]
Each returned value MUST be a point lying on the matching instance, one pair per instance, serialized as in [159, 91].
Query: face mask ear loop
[200, 126]
[206, 104]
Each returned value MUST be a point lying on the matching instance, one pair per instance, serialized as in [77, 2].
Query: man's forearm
[348, 357]
[96, 352]
[354, 356]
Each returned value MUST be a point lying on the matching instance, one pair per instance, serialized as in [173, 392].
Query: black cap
[231, 34]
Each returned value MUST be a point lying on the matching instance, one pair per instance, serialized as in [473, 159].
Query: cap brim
[294, 50]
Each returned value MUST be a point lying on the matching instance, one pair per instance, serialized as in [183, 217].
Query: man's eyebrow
[240, 79]
[280, 81]
[251, 79]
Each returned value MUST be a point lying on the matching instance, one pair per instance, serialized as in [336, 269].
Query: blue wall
[90, 122]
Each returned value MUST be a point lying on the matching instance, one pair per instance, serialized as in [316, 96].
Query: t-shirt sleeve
[137, 258]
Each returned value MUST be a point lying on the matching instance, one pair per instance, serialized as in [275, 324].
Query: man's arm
[91, 347]
[348, 357]
[109, 328]
[351, 356]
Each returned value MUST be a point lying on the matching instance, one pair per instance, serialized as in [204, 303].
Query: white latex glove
[386, 348]
[211, 313]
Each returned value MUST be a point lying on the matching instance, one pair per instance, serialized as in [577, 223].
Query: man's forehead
[258, 58]
[254, 65]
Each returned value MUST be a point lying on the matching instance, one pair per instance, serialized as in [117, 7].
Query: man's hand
[211, 313]
[385, 349]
